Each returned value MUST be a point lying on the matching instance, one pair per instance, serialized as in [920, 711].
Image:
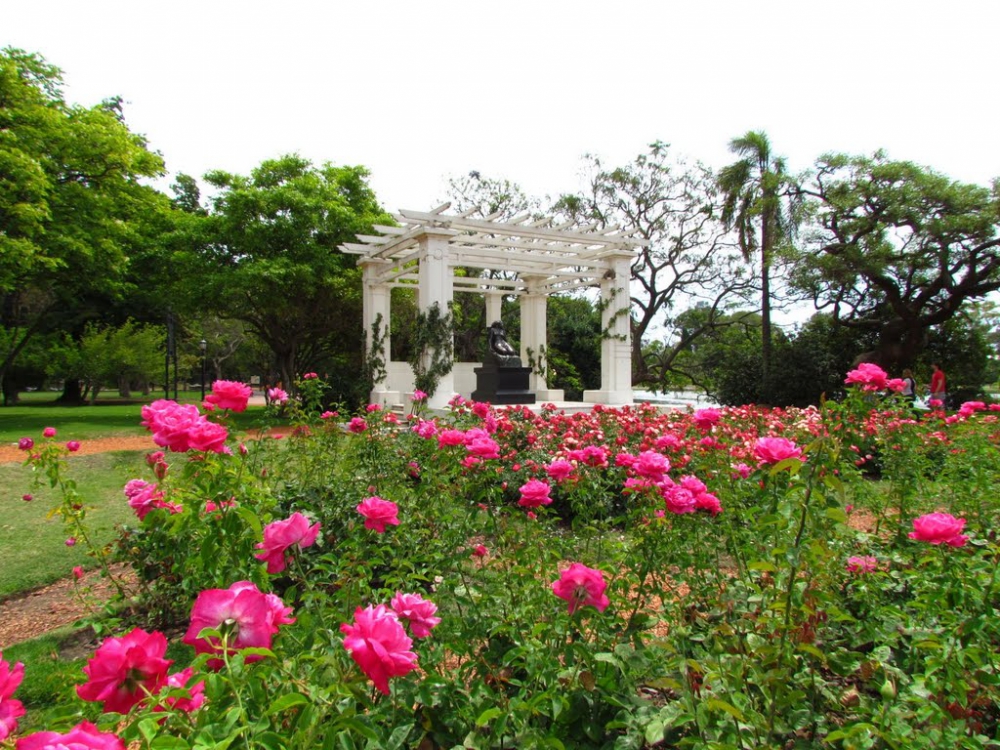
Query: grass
[35, 553]
[109, 417]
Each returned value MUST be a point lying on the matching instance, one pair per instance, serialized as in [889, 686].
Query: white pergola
[538, 258]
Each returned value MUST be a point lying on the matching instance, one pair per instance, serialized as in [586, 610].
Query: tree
[72, 205]
[896, 249]
[756, 202]
[687, 259]
[268, 254]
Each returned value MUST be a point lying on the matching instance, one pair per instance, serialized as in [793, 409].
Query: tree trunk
[765, 307]
[72, 394]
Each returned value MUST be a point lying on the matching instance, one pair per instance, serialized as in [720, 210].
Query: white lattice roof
[554, 256]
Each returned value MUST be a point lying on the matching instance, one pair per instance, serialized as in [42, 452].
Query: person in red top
[938, 383]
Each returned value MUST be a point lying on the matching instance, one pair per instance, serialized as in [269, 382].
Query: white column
[435, 286]
[616, 346]
[375, 301]
[534, 336]
[494, 306]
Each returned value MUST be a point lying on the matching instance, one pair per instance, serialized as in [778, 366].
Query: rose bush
[721, 579]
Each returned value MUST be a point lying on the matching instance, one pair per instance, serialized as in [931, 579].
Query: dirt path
[11, 452]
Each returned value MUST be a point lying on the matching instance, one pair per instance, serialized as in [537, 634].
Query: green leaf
[717, 703]
[284, 702]
[487, 716]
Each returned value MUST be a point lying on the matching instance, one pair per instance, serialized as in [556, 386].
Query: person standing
[909, 386]
[938, 383]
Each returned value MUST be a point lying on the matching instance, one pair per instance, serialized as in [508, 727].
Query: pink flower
[581, 586]
[247, 617]
[379, 645]
[483, 446]
[70, 541]
[73, 446]
[869, 376]
[357, 425]
[207, 436]
[935, 402]
[704, 419]
[84, 736]
[49, 432]
[144, 497]
[417, 611]
[196, 693]
[27, 498]
[78, 572]
[281, 535]
[10, 709]
[182, 427]
[651, 465]
[480, 550]
[373, 408]
[678, 499]
[26, 443]
[742, 470]
[378, 513]
[123, 670]
[418, 395]
[310, 376]
[861, 564]
[328, 415]
[559, 469]
[534, 494]
[450, 438]
[939, 528]
[229, 394]
[772, 450]
[277, 396]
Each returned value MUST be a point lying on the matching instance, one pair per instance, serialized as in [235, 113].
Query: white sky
[419, 91]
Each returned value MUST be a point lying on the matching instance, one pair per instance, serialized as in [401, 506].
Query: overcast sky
[420, 91]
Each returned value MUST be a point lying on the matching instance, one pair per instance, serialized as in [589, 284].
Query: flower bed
[500, 578]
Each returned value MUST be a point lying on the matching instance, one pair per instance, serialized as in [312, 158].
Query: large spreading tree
[267, 253]
[73, 208]
[896, 249]
[687, 258]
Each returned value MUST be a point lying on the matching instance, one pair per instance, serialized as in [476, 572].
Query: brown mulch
[40, 611]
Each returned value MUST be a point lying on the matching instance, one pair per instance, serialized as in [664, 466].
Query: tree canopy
[895, 249]
[267, 254]
[72, 202]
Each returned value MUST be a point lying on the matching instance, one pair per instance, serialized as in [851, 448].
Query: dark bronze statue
[499, 348]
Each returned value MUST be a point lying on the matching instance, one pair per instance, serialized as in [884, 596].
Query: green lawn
[110, 416]
[35, 553]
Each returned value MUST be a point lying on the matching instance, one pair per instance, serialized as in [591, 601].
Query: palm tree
[753, 191]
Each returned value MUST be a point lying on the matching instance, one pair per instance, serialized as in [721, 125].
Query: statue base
[503, 385]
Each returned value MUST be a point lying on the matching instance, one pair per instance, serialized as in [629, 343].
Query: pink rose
[78, 572]
[84, 736]
[869, 376]
[378, 513]
[123, 670]
[379, 645]
[581, 586]
[651, 465]
[772, 450]
[939, 528]
[280, 535]
[560, 469]
[534, 494]
[10, 709]
[229, 394]
[357, 425]
[195, 693]
[73, 446]
[49, 432]
[26, 443]
[417, 611]
[861, 564]
[277, 396]
[704, 419]
[249, 616]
